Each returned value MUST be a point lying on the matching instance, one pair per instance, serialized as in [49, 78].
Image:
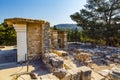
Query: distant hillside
[68, 26]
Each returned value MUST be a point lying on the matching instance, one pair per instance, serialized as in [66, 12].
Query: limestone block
[60, 53]
[115, 73]
[76, 73]
[56, 62]
[96, 76]
[52, 61]
[85, 73]
[68, 76]
[60, 73]
[115, 76]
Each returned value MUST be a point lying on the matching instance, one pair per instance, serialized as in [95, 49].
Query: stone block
[60, 53]
[75, 74]
[60, 73]
[96, 76]
[52, 61]
[117, 72]
[115, 76]
[85, 73]
[56, 62]
[68, 76]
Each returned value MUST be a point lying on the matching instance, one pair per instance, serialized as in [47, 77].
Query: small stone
[85, 73]
[115, 76]
[57, 63]
[60, 73]
[116, 71]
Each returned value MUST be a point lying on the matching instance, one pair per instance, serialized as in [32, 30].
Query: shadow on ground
[8, 56]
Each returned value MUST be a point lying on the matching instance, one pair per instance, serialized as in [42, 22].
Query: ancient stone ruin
[34, 38]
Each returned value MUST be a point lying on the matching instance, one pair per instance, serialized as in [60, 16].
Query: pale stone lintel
[20, 27]
[11, 21]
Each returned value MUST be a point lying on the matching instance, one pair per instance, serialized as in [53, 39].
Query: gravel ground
[37, 67]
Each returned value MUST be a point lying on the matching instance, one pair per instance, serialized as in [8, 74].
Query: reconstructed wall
[34, 40]
[63, 38]
[46, 37]
[58, 39]
[54, 39]
[38, 38]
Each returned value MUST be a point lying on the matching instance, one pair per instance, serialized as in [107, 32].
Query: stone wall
[46, 37]
[34, 40]
[58, 39]
[54, 39]
[62, 36]
[52, 61]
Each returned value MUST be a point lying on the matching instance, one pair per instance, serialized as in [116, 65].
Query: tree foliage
[7, 35]
[100, 20]
[54, 27]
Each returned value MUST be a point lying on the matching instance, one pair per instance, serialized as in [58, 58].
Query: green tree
[7, 35]
[54, 27]
[100, 20]
[76, 35]
[2, 34]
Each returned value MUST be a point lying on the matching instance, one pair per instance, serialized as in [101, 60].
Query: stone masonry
[34, 38]
[58, 39]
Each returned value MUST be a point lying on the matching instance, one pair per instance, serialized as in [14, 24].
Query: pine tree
[100, 20]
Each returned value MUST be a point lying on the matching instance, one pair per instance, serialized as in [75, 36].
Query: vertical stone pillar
[54, 39]
[65, 41]
[21, 41]
[46, 37]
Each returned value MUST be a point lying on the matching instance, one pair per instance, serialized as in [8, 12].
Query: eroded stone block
[85, 73]
[60, 73]
[52, 61]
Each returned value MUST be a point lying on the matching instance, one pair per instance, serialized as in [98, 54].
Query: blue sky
[54, 11]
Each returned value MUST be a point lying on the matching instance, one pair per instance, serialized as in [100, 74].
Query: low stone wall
[81, 73]
[52, 61]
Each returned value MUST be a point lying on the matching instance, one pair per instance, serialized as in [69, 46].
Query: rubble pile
[70, 64]
[99, 54]
[56, 64]
[52, 61]
[60, 73]
[83, 57]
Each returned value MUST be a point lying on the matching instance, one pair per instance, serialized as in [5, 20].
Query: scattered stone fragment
[115, 76]
[52, 61]
[116, 70]
[85, 73]
[76, 73]
[60, 53]
[68, 76]
[60, 73]
[105, 73]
